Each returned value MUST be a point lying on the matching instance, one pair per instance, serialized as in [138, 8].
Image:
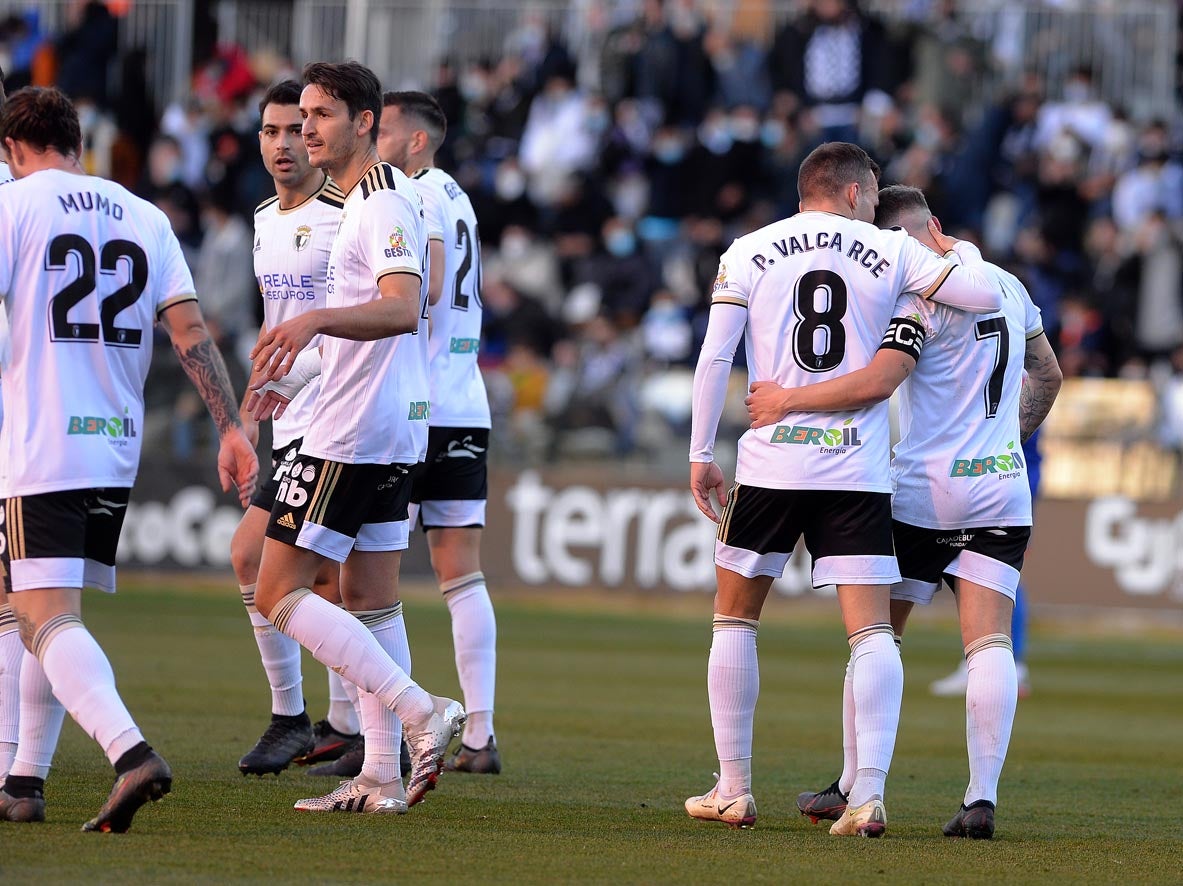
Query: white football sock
[990, 701]
[12, 651]
[733, 685]
[383, 731]
[82, 680]
[280, 655]
[41, 721]
[338, 640]
[877, 675]
[849, 746]
[342, 714]
[474, 637]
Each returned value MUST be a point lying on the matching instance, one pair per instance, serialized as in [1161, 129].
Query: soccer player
[11, 648]
[814, 292]
[449, 491]
[346, 495]
[85, 269]
[294, 232]
[962, 504]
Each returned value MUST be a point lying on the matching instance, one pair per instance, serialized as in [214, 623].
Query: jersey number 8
[819, 338]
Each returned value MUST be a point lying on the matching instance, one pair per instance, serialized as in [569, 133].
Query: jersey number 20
[61, 327]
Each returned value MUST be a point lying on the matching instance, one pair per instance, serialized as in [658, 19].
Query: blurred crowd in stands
[608, 182]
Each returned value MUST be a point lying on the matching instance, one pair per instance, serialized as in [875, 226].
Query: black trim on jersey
[332, 194]
[1034, 335]
[422, 172]
[379, 177]
[266, 203]
[905, 335]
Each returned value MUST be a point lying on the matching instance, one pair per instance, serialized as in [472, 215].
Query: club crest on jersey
[398, 244]
[303, 237]
[720, 278]
[831, 441]
[1006, 466]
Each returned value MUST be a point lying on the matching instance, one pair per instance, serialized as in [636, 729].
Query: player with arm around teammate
[451, 487]
[813, 293]
[86, 268]
[962, 504]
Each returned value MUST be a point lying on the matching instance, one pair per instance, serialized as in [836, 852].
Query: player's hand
[705, 476]
[266, 404]
[943, 241]
[766, 403]
[277, 348]
[237, 465]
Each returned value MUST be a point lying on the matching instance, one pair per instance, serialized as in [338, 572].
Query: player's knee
[245, 556]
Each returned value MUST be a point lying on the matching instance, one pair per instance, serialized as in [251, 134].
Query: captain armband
[904, 334]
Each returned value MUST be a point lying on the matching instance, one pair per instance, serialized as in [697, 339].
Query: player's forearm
[1035, 400]
[253, 380]
[711, 376]
[203, 363]
[380, 318]
[856, 390]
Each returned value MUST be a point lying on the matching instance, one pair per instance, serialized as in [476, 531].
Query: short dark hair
[424, 108]
[44, 117]
[831, 167]
[896, 201]
[350, 82]
[285, 92]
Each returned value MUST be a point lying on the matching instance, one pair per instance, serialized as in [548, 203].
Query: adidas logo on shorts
[287, 521]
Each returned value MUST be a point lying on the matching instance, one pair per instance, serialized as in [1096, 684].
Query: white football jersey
[374, 395]
[458, 398]
[820, 289]
[5, 346]
[291, 260]
[85, 269]
[959, 463]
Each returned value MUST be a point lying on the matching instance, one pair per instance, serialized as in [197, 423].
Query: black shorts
[452, 484]
[62, 539]
[991, 556]
[281, 462]
[847, 533]
[333, 508]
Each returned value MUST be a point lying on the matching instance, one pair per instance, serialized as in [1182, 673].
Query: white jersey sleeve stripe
[174, 300]
[937, 283]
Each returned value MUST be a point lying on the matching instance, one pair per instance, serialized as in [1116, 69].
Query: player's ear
[365, 122]
[937, 224]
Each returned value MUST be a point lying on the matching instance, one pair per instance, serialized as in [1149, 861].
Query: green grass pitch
[604, 728]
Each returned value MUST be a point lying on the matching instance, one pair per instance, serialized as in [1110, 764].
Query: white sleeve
[962, 286]
[305, 368]
[724, 330]
[433, 213]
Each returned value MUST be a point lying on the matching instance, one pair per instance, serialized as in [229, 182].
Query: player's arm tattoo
[1039, 392]
[203, 364]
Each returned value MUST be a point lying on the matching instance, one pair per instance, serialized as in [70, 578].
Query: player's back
[458, 389]
[820, 289]
[87, 268]
[959, 462]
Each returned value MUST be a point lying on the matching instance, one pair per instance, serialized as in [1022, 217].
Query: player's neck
[830, 206]
[39, 162]
[350, 172]
[289, 198]
[418, 163]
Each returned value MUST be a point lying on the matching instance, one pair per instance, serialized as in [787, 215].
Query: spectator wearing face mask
[622, 274]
